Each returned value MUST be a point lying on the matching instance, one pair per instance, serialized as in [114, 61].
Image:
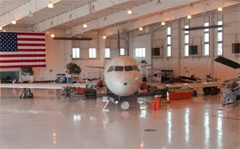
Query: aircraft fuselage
[123, 75]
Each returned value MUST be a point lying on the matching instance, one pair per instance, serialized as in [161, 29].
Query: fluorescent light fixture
[163, 23]
[189, 16]
[140, 28]
[0, 28]
[104, 37]
[14, 22]
[52, 35]
[50, 5]
[129, 11]
[220, 8]
[84, 25]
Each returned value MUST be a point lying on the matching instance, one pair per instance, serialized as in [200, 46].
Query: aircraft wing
[227, 62]
[204, 84]
[145, 65]
[191, 85]
[95, 67]
[42, 85]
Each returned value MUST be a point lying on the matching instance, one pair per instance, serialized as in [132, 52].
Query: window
[128, 68]
[92, 53]
[110, 69]
[118, 68]
[169, 42]
[219, 36]
[107, 53]
[122, 51]
[186, 50]
[75, 52]
[219, 49]
[140, 52]
[206, 24]
[206, 49]
[219, 39]
[220, 23]
[206, 39]
[186, 41]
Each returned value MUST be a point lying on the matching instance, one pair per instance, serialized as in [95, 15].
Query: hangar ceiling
[70, 15]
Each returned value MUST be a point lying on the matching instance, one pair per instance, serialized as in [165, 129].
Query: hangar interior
[184, 36]
[106, 18]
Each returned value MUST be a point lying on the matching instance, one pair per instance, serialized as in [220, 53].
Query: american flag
[18, 50]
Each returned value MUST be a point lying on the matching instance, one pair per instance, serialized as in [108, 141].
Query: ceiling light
[70, 16]
[140, 28]
[220, 8]
[189, 16]
[163, 23]
[0, 28]
[52, 35]
[30, 14]
[14, 22]
[50, 5]
[84, 25]
[129, 11]
[104, 37]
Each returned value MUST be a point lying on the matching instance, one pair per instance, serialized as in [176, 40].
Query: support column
[102, 46]
[212, 53]
[179, 52]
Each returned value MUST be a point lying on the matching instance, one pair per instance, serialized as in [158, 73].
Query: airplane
[231, 93]
[123, 77]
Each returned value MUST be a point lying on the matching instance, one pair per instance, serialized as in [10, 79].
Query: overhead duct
[71, 38]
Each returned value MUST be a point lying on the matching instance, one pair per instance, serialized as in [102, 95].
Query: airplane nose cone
[125, 83]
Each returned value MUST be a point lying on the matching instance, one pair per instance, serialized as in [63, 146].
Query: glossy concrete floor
[51, 122]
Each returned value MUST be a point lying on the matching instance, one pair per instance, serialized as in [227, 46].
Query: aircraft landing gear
[125, 105]
[26, 93]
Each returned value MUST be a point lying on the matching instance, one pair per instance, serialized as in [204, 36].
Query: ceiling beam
[76, 13]
[138, 12]
[168, 16]
[24, 10]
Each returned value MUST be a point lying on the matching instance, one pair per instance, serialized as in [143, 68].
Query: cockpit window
[118, 68]
[136, 68]
[128, 68]
[110, 69]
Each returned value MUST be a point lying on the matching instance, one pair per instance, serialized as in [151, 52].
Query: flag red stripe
[35, 44]
[30, 53]
[32, 50]
[36, 34]
[20, 61]
[24, 55]
[22, 66]
[32, 39]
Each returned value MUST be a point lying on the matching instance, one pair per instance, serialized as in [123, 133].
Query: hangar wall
[199, 65]
[59, 51]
